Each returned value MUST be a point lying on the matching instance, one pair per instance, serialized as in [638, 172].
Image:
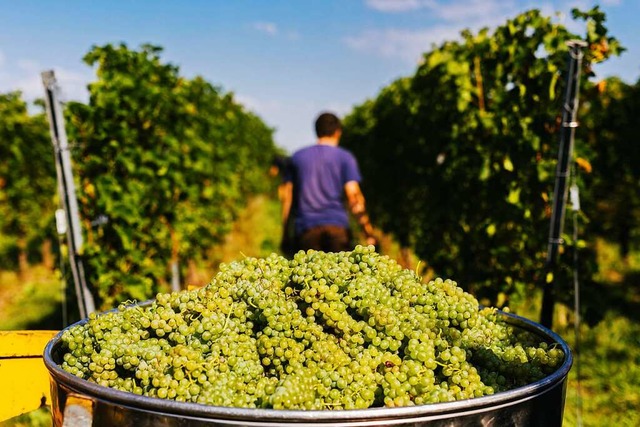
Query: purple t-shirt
[319, 173]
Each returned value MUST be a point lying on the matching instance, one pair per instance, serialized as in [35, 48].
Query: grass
[608, 343]
[38, 418]
[33, 302]
[256, 233]
[608, 392]
[606, 350]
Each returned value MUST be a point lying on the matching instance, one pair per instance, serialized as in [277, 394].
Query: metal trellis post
[67, 191]
[567, 134]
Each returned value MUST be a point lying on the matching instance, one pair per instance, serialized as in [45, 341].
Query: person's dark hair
[327, 124]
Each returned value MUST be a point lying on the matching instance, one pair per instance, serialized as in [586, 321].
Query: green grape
[328, 331]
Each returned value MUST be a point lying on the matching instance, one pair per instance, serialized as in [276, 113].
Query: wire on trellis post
[575, 207]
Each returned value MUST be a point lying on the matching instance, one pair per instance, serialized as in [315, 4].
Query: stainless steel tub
[77, 402]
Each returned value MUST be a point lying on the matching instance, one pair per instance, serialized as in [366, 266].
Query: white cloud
[73, 84]
[475, 11]
[399, 5]
[340, 109]
[454, 16]
[455, 11]
[410, 44]
[258, 106]
[293, 35]
[271, 29]
[266, 27]
[27, 65]
[405, 44]
[25, 75]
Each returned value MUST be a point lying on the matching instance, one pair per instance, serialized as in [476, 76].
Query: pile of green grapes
[321, 331]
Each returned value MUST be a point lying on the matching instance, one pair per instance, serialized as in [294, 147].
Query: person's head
[328, 125]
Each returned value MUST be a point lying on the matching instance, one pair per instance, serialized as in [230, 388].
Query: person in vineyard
[316, 183]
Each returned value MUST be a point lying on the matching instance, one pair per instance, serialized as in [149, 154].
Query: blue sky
[285, 60]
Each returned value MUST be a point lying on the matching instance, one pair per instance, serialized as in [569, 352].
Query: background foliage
[611, 135]
[27, 183]
[169, 161]
[164, 166]
[471, 143]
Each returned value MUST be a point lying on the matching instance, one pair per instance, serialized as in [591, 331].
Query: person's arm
[285, 191]
[356, 202]
[286, 197]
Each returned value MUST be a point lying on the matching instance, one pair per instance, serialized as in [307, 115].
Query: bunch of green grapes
[340, 330]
